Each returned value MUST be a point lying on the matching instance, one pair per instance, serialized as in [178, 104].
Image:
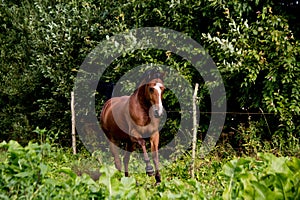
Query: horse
[130, 119]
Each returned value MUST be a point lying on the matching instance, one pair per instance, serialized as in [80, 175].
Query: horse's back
[113, 118]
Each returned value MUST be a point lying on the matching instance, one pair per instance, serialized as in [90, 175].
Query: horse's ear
[157, 74]
[142, 87]
[163, 75]
[152, 74]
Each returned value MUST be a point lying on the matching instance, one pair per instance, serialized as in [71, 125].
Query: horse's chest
[147, 129]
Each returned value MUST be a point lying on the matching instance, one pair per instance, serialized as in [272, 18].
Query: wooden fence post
[195, 128]
[73, 124]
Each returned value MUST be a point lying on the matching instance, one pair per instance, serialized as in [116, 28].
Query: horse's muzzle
[157, 114]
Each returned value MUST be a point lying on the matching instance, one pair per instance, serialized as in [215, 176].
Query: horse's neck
[139, 108]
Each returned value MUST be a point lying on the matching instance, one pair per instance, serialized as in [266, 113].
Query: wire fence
[190, 111]
[227, 113]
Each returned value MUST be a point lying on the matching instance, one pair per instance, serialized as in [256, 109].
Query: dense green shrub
[261, 59]
[30, 173]
[34, 172]
[43, 44]
[48, 172]
[268, 177]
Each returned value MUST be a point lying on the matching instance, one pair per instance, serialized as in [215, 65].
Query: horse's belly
[113, 119]
[117, 123]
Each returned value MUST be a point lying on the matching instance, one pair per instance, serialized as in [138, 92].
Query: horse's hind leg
[113, 145]
[128, 150]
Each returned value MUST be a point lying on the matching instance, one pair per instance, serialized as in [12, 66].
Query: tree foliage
[43, 44]
[261, 59]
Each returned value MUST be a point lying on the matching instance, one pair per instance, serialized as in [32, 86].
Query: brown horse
[130, 119]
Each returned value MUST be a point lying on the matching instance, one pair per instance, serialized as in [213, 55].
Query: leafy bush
[43, 43]
[260, 58]
[25, 174]
[47, 172]
[34, 172]
[267, 177]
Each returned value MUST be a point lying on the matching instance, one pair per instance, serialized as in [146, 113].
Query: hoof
[149, 170]
[157, 183]
[150, 173]
[158, 180]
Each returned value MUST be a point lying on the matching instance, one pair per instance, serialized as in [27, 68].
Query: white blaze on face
[160, 106]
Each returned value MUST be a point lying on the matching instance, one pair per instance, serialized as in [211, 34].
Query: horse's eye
[151, 90]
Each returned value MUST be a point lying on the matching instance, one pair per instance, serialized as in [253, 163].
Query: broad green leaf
[43, 169]
[260, 191]
[128, 182]
[25, 174]
[68, 171]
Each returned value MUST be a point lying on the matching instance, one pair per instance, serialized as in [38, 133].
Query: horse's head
[154, 90]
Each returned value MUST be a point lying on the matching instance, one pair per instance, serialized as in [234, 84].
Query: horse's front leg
[154, 140]
[136, 137]
[149, 168]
